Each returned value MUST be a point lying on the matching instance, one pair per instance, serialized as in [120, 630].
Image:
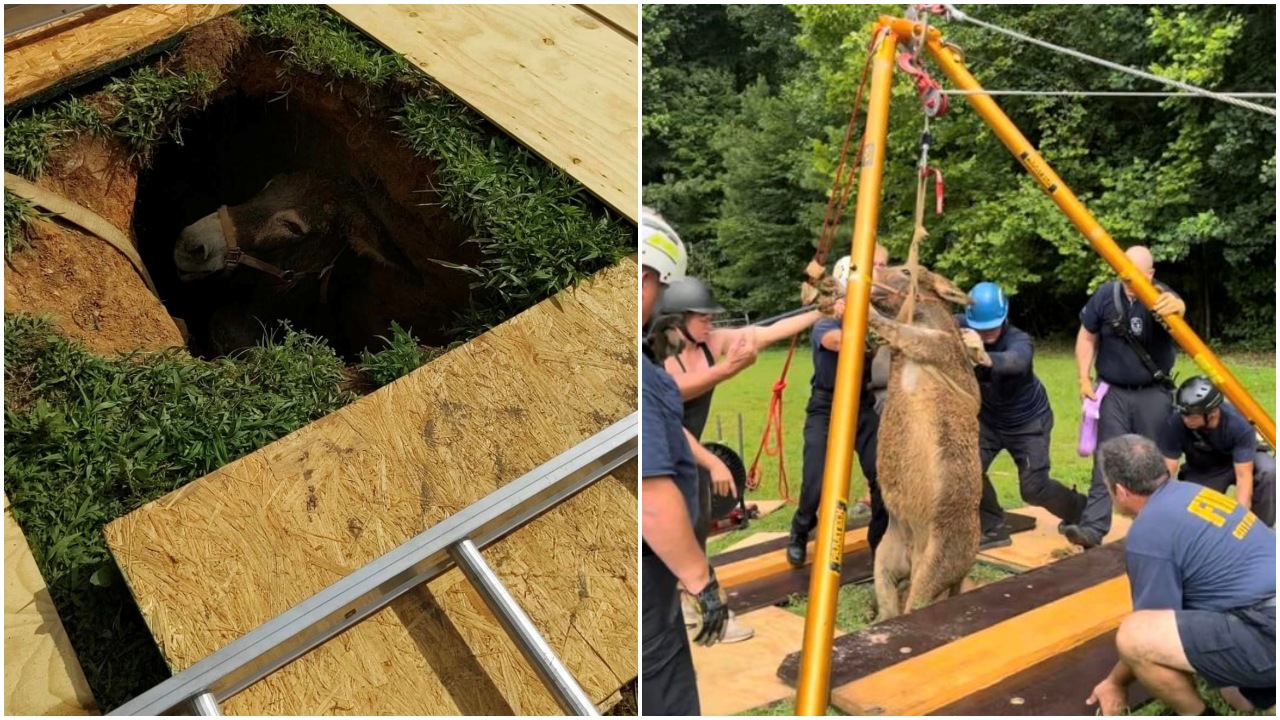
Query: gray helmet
[689, 295]
[1197, 396]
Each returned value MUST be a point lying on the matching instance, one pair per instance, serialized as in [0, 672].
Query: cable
[1100, 93]
[957, 14]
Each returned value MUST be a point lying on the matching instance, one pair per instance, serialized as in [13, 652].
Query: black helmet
[689, 295]
[1197, 396]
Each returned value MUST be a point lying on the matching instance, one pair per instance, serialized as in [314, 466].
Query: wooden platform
[740, 676]
[1043, 545]
[558, 78]
[41, 673]
[230, 551]
[88, 44]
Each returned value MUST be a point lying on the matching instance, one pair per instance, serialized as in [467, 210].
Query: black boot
[797, 548]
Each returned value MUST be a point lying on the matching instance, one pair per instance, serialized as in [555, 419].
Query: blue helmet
[990, 307]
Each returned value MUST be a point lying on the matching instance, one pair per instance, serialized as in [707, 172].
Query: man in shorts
[1202, 569]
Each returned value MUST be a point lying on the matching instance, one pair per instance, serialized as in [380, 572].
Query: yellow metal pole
[813, 688]
[953, 65]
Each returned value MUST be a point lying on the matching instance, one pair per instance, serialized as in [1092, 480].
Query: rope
[957, 14]
[1100, 93]
[773, 427]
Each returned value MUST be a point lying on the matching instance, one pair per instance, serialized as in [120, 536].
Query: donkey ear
[365, 237]
[947, 290]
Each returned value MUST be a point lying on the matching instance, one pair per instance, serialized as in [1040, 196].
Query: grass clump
[88, 439]
[401, 356]
[17, 213]
[149, 104]
[30, 140]
[322, 43]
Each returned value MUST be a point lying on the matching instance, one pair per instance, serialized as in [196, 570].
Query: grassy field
[747, 397]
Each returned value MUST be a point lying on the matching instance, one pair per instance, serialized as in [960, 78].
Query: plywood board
[754, 540]
[230, 551]
[741, 676]
[1043, 545]
[982, 659]
[41, 673]
[556, 78]
[775, 562]
[82, 48]
[765, 507]
[625, 18]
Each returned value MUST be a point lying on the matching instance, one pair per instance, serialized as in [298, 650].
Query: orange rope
[773, 430]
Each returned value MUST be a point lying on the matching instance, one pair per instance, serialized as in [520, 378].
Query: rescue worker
[710, 356]
[1202, 573]
[826, 341]
[1220, 447]
[670, 554]
[1015, 414]
[1133, 355]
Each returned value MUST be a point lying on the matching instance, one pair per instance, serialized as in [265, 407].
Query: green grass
[17, 213]
[401, 356]
[747, 395]
[88, 439]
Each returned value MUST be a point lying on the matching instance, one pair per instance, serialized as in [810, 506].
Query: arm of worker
[1169, 441]
[721, 478]
[668, 531]
[1168, 303]
[1243, 452]
[738, 356]
[1014, 360]
[770, 334]
[1111, 695]
[1086, 349]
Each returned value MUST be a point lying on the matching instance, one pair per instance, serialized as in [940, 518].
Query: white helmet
[661, 249]
[841, 273]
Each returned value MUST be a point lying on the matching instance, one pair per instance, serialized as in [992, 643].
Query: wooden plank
[230, 551]
[737, 677]
[982, 659]
[41, 673]
[561, 82]
[775, 562]
[624, 18]
[80, 49]
[1055, 687]
[855, 568]
[734, 555]
[757, 539]
[1043, 545]
[871, 650]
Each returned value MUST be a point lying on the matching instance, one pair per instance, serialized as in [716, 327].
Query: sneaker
[797, 549]
[993, 539]
[1083, 537]
[735, 631]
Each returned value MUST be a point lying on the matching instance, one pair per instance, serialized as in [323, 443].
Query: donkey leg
[937, 575]
[892, 568]
[916, 343]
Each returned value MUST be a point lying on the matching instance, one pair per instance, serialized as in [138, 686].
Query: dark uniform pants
[1264, 484]
[1029, 446]
[1236, 648]
[668, 685]
[817, 424]
[1142, 412]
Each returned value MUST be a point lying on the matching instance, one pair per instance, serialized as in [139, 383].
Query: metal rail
[364, 592]
[21, 18]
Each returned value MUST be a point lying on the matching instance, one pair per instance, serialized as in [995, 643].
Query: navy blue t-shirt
[665, 449]
[1117, 363]
[824, 362]
[1232, 442]
[1193, 548]
[1012, 395]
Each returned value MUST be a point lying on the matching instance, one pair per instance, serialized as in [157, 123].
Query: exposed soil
[260, 122]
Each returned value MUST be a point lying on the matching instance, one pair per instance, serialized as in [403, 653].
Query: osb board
[925, 682]
[740, 676]
[558, 79]
[1042, 544]
[230, 551]
[765, 507]
[41, 673]
[84, 47]
[624, 18]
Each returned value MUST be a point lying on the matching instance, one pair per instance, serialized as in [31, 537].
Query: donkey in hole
[929, 471]
[308, 249]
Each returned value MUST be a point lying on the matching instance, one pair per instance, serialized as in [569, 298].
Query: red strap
[773, 426]
[937, 185]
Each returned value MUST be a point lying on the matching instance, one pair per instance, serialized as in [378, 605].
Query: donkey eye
[292, 226]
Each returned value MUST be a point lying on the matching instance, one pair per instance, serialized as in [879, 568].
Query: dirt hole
[317, 187]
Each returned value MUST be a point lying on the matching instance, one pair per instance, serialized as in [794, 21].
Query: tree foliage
[745, 108]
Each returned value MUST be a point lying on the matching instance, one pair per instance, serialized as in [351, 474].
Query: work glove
[975, 347]
[713, 612]
[1169, 304]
